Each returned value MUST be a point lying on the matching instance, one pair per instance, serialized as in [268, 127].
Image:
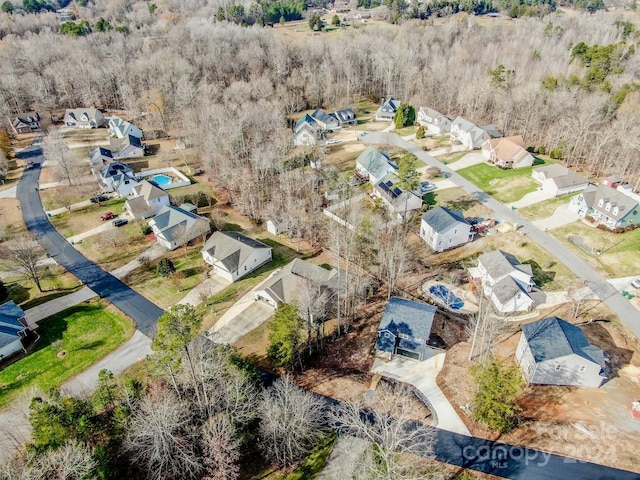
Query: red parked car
[107, 216]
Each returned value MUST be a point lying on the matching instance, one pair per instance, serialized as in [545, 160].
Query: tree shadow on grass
[18, 293]
[430, 199]
[90, 346]
[463, 203]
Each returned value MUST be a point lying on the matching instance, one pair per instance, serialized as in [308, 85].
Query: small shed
[614, 181]
[276, 227]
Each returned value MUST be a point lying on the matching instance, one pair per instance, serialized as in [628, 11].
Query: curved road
[623, 309]
[143, 312]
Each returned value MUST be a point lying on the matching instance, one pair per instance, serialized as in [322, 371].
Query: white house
[288, 284]
[397, 201]
[374, 164]
[83, 118]
[443, 229]
[387, 110]
[554, 352]
[146, 200]
[507, 152]
[306, 132]
[434, 121]
[559, 180]
[175, 227]
[471, 135]
[120, 128]
[504, 280]
[117, 177]
[127, 147]
[13, 329]
[234, 255]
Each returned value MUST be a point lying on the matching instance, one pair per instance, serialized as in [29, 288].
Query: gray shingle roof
[407, 317]
[375, 162]
[554, 338]
[441, 219]
[10, 313]
[231, 248]
[170, 218]
[615, 198]
[499, 264]
[114, 169]
[148, 191]
[305, 121]
[345, 115]
[285, 285]
[323, 116]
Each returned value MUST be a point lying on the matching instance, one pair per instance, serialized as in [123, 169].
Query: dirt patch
[585, 423]
[11, 219]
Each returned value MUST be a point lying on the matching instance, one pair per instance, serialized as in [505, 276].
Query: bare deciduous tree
[401, 448]
[220, 449]
[25, 255]
[290, 422]
[161, 438]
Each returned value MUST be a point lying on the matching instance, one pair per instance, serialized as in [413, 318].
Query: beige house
[507, 152]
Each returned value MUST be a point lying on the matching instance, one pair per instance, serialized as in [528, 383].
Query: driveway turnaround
[561, 216]
[620, 306]
[143, 312]
[469, 160]
[422, 375]
[531, 198]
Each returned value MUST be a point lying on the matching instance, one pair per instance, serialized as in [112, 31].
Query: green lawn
[85, 218]
[162, 291]
[88, 333]
[55, 281]
[451, 158]
[457, 199]
[505, 185]
[544, 209]
[619, 256]
[403, 132]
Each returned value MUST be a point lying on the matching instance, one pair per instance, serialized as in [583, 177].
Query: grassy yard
[129, 243]
[549, 273]
[457, 199]
[544, 209]
[88, 333]
[619, 256]
[403, 132]
[452, 157]
[55, 280]
[505, 185]
[163, 291]
[86, 218]
[219, 303]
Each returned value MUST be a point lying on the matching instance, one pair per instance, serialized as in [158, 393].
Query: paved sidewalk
[422, 375]
[75, 206]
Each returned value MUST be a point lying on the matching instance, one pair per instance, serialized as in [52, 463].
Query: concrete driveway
[422, 375]
[469, 160]
[105, 226]
[8, 193]
[245, 315]
[561, 217]
[531, 198]
[212, 285]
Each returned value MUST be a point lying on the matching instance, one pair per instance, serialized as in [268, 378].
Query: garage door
[407, 353]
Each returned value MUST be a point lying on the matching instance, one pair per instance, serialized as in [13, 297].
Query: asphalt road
[622, 308]
[143, 312]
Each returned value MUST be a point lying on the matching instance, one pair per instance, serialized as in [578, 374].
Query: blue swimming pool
[447, 296]
[162, 179]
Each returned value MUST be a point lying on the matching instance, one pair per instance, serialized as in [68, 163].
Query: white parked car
[636, 283]
[333, 141]
[426, 187]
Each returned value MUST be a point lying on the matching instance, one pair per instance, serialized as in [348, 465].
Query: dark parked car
[120, 222]
[99, 198]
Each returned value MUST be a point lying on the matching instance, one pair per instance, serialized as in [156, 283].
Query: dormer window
[608, 207]
[616, 211]
[403, 336]
[601, 203]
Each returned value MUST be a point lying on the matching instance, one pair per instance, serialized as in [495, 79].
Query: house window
[403, 336]
[419, 340]
[455, 231]
[582, 368]
[245, 268]
[558, 367]
[387, 335]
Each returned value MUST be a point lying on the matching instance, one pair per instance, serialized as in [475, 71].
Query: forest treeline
[565, 83]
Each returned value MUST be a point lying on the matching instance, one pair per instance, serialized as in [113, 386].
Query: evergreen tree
[166, 267]
[4, 293]
[285, 336]
[405, 116]
[498, 386]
